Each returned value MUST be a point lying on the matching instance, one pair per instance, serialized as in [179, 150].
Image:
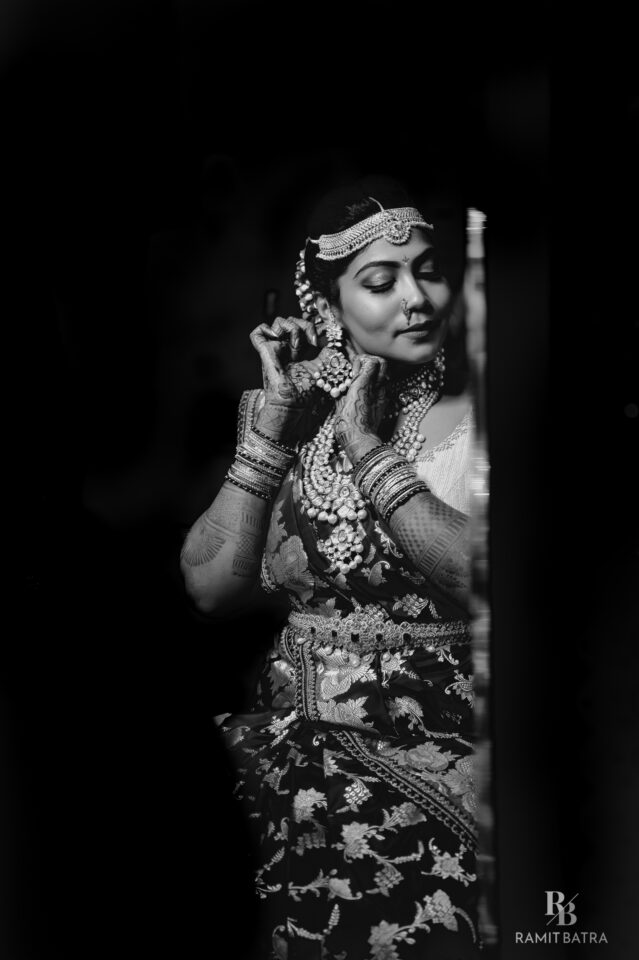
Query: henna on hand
[279, 422]
[289, 386]
[359, 412]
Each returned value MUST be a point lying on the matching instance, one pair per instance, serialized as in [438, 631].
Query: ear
[324, 308]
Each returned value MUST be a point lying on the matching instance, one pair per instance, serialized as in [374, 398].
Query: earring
[335, 372]
[334, 331]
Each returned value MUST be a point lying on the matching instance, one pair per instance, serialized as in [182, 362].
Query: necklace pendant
[343, 549]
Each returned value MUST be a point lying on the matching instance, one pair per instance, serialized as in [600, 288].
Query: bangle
[384, 473]
[371, 455]
[387, 479]
[268, 451]
[247, 487]
[396, 490]
[290, 451]
[260, 464]
[252, 480]
[402, 497]
[374, 465]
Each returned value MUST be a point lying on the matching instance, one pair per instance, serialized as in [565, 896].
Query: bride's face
[394, 302]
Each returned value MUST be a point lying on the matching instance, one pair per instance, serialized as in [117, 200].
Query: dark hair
[339, 209]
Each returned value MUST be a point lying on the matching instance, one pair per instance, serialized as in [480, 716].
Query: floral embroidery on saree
[354, 761]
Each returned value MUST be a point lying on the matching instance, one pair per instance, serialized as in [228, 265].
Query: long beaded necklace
[328, 493]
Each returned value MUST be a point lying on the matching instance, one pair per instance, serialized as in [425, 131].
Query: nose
[416, 296]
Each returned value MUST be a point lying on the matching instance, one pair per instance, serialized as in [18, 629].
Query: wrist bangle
[401, 497]
[371, 455]
[387, 479]
[260, 464]
[247, 487]
[283, 447]
[377, 462]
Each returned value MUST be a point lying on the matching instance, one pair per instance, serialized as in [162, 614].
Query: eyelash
[385, 287]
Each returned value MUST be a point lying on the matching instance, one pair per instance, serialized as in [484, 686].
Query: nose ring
[406, 311]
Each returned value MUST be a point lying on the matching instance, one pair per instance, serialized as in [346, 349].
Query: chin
[418, 353]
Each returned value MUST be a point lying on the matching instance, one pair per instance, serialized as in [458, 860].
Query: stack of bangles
[387, 479]
[260, 464]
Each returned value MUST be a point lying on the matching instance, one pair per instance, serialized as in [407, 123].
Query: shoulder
[251, 402]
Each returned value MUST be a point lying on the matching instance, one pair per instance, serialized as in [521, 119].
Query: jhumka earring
[335, 373]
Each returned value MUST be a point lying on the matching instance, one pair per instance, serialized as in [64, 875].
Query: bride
[348, 492]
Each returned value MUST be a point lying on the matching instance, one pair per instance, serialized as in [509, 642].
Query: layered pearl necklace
[328, 493]
[414, 397]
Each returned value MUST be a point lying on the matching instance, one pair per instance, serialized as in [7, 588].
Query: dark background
[158, 162]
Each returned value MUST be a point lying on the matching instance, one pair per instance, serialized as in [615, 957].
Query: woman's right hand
[290, 354]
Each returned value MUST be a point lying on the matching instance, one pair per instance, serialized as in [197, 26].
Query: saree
[354, 760]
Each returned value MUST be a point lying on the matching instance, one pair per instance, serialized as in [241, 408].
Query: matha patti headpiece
[393, 225]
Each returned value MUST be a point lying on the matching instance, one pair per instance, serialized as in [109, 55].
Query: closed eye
[380, 281]
[426, 265]
[380, 287]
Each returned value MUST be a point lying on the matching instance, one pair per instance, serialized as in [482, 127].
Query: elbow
[207, 597]
[206, 606]
[202, 595]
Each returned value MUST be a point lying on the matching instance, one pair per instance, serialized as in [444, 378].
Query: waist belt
[367, 632]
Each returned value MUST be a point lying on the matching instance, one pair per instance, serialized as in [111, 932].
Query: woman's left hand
[358, 412]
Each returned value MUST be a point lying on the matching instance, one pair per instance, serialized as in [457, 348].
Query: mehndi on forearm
[234, 517]
[221, 554]
[225, 545]
[436, 538]
[432, 534]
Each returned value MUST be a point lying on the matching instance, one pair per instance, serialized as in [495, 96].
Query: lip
[423, 328]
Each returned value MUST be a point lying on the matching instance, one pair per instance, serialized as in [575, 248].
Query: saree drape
[354, 759]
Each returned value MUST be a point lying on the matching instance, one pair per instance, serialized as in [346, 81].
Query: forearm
[433, 535]
[436, 538]
[221, 556]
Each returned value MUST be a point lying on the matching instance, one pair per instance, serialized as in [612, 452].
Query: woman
[348, 491]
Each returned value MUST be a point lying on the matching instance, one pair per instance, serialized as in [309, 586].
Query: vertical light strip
[475, 299]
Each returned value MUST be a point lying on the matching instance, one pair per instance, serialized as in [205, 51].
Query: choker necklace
[328, 492]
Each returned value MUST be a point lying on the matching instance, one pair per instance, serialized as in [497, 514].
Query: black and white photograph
[321, 630]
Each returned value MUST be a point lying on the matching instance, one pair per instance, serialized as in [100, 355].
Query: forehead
[384, 250]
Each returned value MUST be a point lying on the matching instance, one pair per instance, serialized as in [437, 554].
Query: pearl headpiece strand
[393, 225]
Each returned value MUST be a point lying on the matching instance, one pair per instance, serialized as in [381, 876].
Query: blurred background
[159, 163]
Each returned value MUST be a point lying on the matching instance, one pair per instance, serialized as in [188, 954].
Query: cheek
[441, 294]
[370, 315]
